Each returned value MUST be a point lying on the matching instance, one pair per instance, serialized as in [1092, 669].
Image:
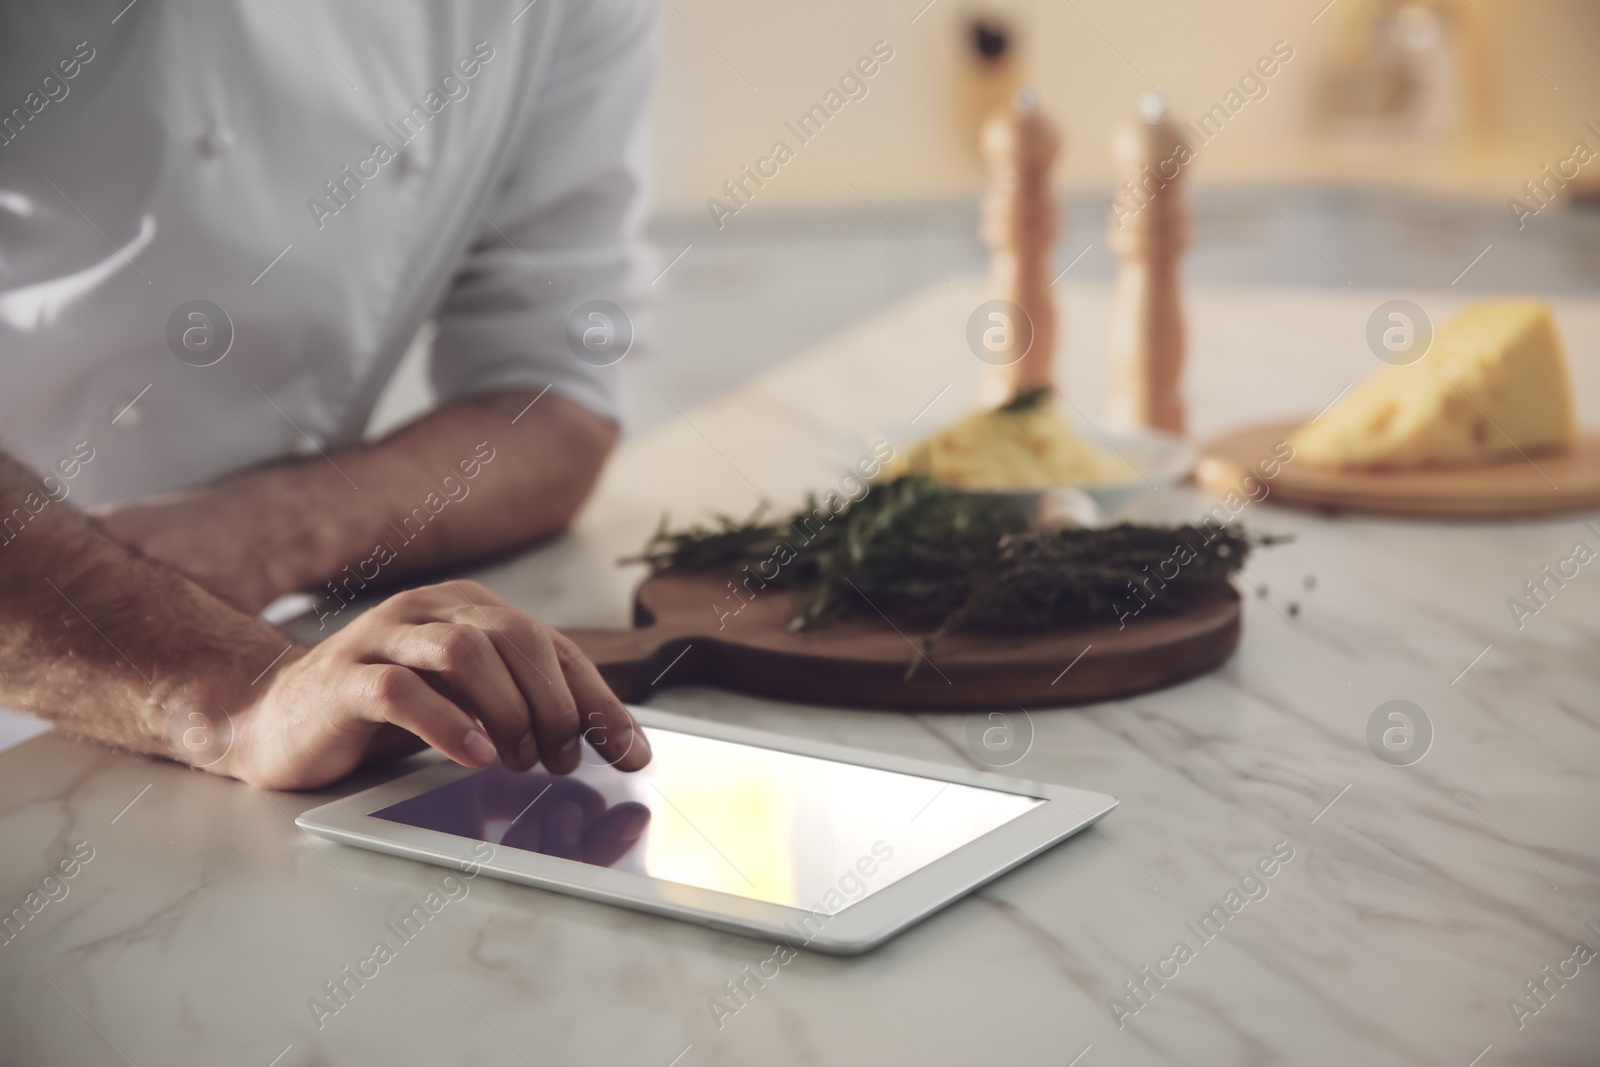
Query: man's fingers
[590, 803]
[427, 603]
[605, 721]
[610, 837]
[528, 651]
[563, 831]
[562, 690]
[474, 675]
[396, 694]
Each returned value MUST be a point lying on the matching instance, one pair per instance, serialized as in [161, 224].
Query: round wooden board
[864, 662]
[1544, 484]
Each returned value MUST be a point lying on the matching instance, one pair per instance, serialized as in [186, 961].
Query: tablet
[816, 845]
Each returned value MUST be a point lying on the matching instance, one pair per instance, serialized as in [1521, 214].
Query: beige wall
[734, 70]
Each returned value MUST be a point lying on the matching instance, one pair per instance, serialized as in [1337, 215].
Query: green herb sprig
[1027, 400]
[930, 556]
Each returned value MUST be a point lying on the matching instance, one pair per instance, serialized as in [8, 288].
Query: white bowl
[1162, 460]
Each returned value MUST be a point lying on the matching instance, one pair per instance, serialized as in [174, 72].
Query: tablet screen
[753, 822]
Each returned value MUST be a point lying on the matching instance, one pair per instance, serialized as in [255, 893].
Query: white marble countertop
[1418, 902]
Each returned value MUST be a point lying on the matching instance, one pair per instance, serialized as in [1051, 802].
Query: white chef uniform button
[307, 444]
[214, 142]
[414, 159]
[125, 414]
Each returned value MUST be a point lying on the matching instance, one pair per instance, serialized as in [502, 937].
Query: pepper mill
[1020, 221]
[1148, 230]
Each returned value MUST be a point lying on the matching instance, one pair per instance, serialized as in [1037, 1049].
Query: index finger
[605, 721]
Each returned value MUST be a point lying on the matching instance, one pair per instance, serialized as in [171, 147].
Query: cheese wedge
[1492, 385]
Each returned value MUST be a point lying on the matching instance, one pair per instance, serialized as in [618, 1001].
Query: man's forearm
[476, 477]
[115, 646]
[464, 482]
[107, 643]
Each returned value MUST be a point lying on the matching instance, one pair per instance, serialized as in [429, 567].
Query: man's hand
[451, 665]
[114, 629]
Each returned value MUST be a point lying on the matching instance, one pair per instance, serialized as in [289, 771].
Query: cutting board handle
[632, 661]
[688, 629]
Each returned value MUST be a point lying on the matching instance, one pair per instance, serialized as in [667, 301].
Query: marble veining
[1419, 902]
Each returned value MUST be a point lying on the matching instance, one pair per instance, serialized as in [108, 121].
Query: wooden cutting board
[1546, 484]
[863, 662]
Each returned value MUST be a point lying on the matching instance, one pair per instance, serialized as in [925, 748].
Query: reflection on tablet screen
[753, 822]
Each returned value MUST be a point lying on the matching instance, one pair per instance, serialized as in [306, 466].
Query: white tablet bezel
[857, 927]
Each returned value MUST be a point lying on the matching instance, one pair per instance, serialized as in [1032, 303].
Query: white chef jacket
[180, 150]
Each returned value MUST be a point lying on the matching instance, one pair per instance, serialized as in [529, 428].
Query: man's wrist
[210, 719]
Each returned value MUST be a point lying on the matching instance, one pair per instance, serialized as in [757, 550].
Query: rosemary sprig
[1038, 396]
[949, 560]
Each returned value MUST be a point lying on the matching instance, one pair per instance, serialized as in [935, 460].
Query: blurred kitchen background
[1382, 155]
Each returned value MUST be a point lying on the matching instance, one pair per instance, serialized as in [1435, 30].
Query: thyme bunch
[930, 556]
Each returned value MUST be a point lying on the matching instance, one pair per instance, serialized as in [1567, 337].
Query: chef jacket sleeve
[563, 221]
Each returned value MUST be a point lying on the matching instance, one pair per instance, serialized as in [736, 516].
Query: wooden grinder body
[1148, 231]
[1020, 223]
